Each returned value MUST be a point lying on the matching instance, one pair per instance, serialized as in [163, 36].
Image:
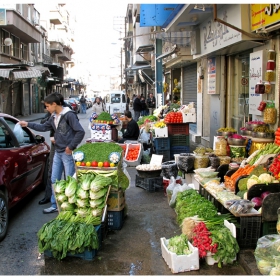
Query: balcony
[56, 48]
[21, 28]
[47, 59]
[56, 17]
[65, 55]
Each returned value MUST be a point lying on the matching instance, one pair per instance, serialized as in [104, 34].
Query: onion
[257, 201]
[265, 194]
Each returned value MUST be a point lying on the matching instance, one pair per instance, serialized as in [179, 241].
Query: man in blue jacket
[68, 134]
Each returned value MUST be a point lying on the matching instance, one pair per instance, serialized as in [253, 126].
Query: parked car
[89, 103]
[24, 159]
[74, 104]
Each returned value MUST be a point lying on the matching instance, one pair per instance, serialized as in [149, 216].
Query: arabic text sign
[212, 75]
[255, 76]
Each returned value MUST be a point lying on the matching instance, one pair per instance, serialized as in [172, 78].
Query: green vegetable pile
[81, 202]
[151, 118]
[98, 151]
[179, 245]
[189, 203]
[270, 148]
[104, 116]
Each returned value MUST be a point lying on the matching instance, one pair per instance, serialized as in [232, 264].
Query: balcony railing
[47, 59]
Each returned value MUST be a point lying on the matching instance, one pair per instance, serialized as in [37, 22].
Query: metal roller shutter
[190, 88]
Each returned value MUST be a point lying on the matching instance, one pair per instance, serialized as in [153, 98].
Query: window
[4, 35]
[15, 46]
[116, 98]
[23, 51]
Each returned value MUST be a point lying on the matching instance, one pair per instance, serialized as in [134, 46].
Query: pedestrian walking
[83, 103]
[68, 134]
[98, 106]
[48, 189]
[137, 107]
[151, 101]
[127, 102]
[144, 106]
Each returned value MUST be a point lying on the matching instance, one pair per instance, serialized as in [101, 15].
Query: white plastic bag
[178, 188]
[18, 131]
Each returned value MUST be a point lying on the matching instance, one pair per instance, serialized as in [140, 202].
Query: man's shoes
[44, 201]
[50, 210]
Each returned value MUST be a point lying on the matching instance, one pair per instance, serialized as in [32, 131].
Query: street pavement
[245, 259]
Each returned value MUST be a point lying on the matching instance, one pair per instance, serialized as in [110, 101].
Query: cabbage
[86, 180]
[59, 186]
[72, 199]
[257, 201]
[96, 212]
[66, 206]
[71, 187]
[82, 203]
[264, 267]
[96, 202]
[82, 194]
[99, 194]
[275, 271]
[61, 197]
[83, 212]
[100, 182]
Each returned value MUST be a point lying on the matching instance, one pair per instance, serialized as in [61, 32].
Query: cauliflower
[252, 181]
[265, 178]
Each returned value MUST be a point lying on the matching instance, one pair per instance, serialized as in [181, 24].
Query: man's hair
[54, 97]
[127, 114]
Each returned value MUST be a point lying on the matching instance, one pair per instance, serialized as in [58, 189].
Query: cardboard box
[189, 118]
[116, 200]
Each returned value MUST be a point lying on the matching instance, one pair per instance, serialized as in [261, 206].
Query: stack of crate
[179, 138]
[162, 147]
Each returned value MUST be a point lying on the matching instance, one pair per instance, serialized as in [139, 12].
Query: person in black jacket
[137, 107]
[151, 101]
[132, 131]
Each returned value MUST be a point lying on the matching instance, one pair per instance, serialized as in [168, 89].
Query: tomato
[106, 164]
[94, 163]
[83, 163]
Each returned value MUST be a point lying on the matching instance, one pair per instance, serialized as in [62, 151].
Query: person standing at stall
[137, 107]
[98, 106]
[151, 101]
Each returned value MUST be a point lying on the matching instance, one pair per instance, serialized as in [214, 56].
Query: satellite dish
[8, 42]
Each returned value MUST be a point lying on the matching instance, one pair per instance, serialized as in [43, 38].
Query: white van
[115, 102]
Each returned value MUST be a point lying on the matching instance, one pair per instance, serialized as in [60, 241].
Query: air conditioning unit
[45, 34]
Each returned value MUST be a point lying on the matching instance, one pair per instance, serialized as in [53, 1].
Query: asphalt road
[133, 250]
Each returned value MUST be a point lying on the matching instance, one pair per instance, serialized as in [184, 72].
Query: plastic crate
[133, 163]
[87, 255]
[269, 228]
[162, 144]
[249, 231]
[166, 155]
[178, 128]
[115, 220]
[179, 140]
[178, 150]
[179, 263]
[149, 184]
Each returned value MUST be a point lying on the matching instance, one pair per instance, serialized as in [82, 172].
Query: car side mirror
[39, 139]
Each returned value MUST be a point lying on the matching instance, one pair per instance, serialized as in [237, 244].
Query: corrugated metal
[34, 73]
[190, 84]
[4, 73]
[190, 88]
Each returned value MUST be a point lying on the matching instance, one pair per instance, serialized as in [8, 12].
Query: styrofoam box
[99, 135]
[209, 259]
[161, 132]
[132, 163]
[179, 263]
[189, 117]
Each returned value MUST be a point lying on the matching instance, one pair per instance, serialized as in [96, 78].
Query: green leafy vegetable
[71, 187]
[104, 116]
[100, 182]
[179, 245]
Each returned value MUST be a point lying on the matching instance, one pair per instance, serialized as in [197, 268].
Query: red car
[23, 165]
[74, 104]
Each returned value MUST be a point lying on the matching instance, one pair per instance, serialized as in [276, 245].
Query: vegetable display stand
[149, 184]
[115, 220]
[87, 255]
[179, 263]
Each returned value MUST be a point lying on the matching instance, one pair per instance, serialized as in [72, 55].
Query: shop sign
[3, 17]
[255, 76]
[211, 75]
[244, 81]
[215, 36]
[263, 15]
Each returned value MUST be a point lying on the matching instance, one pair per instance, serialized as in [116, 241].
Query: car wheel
[4, 216]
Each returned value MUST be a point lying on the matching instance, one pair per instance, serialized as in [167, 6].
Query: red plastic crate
[178, 128]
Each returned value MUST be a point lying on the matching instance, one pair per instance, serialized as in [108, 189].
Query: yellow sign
[263, 15]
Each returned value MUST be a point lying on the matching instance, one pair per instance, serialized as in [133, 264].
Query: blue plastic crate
[115, 220]
[162, 144]
[178, 150]
[87, 255]
[179, 140]
[166, 155]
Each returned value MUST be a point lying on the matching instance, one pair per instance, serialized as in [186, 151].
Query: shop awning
[4, 73]
[145, 77]
[145, 49]
[56, 70]
[15, 74]
[173, 50]
[44, 70]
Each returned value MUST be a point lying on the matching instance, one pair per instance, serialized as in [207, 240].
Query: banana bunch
[165, 87]
[160, 124]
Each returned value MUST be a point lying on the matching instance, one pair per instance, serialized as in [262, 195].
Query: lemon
[88, 163]
[78, 163]
[100, 164]
[112, 164]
